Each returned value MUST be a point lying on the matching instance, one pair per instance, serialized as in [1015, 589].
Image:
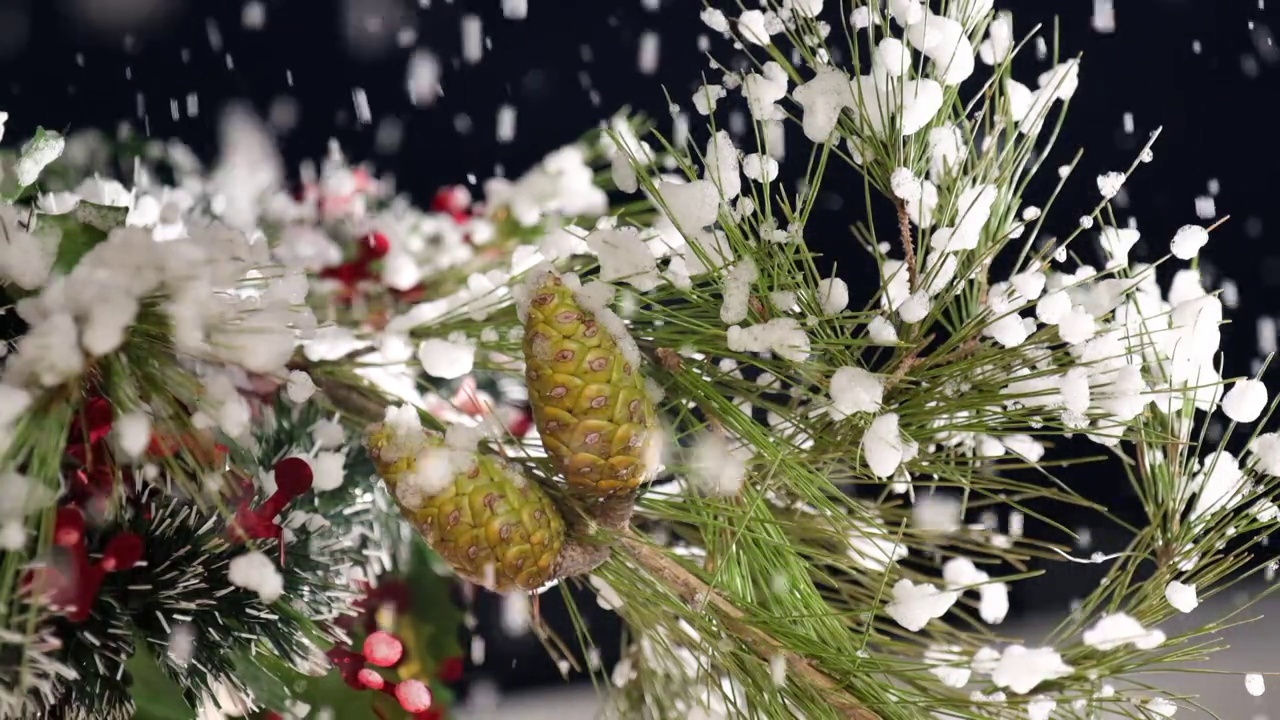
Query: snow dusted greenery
[836, 528]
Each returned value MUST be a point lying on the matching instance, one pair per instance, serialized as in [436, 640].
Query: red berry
[375, 245]
[293, 476]
[450, 669]
[123, 552]
[414, 696]
[455, 200]
[69, 528]
[370, 679]
[383, 649]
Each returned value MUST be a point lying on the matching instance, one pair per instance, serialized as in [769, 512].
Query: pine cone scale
[589, 403]
[494, 527]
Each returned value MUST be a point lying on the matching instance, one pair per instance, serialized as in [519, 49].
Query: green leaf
[275, 685]
[42, 149]
[156, 696]
[102, 217]
[78, 238]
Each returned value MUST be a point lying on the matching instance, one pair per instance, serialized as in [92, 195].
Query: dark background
[1204, 69]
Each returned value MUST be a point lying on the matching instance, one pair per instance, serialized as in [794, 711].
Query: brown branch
[908, 362]
[908, 245]
[697, 593]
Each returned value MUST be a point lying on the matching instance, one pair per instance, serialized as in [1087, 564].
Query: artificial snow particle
[854, 390]
[1265, 450]
[1181, 596]
[422, 77]
[915, 308]
[515, 9]
[27, 259]
[1077, 326]
[19, 497]
[1254, 684]
[907, 12]
[737, 291]
[860, 18]
[805, 8]
[822, 99]
[937, 513]
[1000, 41]
[706, 97]
[763, 90]
[1116, 243]
[881, 331]
[973, 209]
[328, 470]
[1075, 389]
[505, 129]
[623, 173]
[38, 152]
[255, 571]
[624, 255]
[1219, 485]
[913, 606]
[1029, 284]
[882, 446]
[969, 12]
[691, 205]
[892, 57]
[606, 596]
[648, 52]
[1187, 241]
[721, 162]
[715, 20]
[782, 336]
[472, 38]
[760, 168]
[1041, 708]
[1021, 669]
[945, 42]
[1109, 184]
[1245, 401]
[1162, 707]
[300, 387]
[949, 665]
[132, 432]
[921, 100]
[833, 295]
[753, 27]
[718, 468]
[446, 359]
[253, 16]
[1119, 629]
[905, 185]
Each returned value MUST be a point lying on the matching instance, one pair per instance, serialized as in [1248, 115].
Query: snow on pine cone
[589, 401]
[494, 526]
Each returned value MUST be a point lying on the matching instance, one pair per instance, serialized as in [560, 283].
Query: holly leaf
[277, 686]
[155, 695]
[77, 240]
[102, 217]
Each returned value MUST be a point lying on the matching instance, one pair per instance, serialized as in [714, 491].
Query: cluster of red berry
[384, 650]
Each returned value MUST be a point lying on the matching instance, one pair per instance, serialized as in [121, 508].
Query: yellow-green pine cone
[494, 526]
[589, 401]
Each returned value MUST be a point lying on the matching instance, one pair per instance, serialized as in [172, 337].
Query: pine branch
[908, 244]
[698, 594]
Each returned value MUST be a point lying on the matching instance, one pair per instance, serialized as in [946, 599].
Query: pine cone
[589, 401]
[494, 526]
